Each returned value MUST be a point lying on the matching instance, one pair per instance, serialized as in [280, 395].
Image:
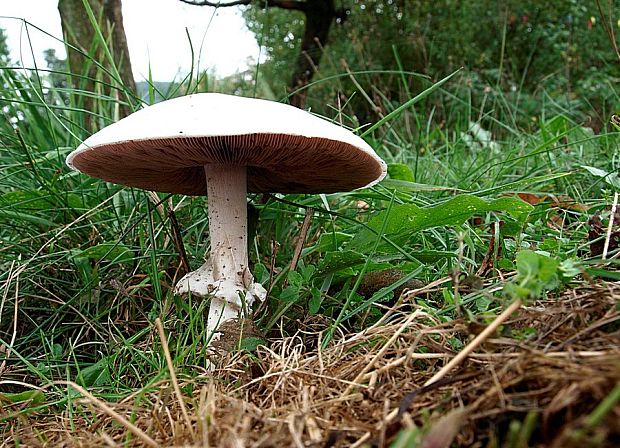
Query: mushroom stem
[225, 276]
[228, 218]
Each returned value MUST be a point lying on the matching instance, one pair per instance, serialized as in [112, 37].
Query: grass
[87, 269]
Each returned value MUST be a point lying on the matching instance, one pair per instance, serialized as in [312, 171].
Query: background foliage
[529, 50]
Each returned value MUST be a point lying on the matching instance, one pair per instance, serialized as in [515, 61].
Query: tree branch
[284, 4]
[216, 4]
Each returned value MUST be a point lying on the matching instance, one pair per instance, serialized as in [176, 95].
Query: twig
[178, 239]
[469, 348]
[610, 226]
[609, 29]
[15, 319]
[488, 331]
[173, 377]
[302, 237]
[600, 323]
[284, 4]
[6, 289]
[486, 356]
[427, 288]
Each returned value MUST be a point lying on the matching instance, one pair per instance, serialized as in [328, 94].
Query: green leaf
[251, 343]
[327, 241]
[548, 270]
[557, 125]
[506, 264]
[569, 269]
[536, 273]
[603, 273]
[17, 216]
[106, 251]
[290, 294]
[527, 263]
[609, 177]
[335, 261]
[261, 273]
[26, 200]
[432, 256]
[57, 351]
[400, 171]
[307, 272]
[97, 374]
[414, 186]
[405, 220]
[295, 279]
[85, 269]
[314, 304]
[34, 397]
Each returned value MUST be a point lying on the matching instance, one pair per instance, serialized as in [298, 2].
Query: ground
[549, 377]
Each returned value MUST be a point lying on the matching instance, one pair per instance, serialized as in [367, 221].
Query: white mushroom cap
[164, 147]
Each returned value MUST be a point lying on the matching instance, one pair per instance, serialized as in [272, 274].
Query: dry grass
[365, 388]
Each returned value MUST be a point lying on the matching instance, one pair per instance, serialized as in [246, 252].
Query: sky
[155, 32]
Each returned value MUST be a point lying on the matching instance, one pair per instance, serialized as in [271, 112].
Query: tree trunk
[319, 17]
[91, 69]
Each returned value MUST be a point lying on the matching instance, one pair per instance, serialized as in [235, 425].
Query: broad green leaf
[527, 263]
[431, 256]
[400, 171]
[335, 261]
[85, 269]
[27, 206]
[609, 177]
[327, 242]
[520, 184]
[536, 273]
[569, 269]
[405, 220]
[506, 264]
[107, 251]
[414, 186]
[34, 397]
[57, 350]
[603, 273]
[548, 270]
[97, 374]
[557, 125]
[295, 279]
[290, 294]
[307, 272]
[17, 216]
[261, 274]
[343, 262]
[38, 201]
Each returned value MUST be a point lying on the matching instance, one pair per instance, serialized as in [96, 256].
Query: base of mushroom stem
[229, 299]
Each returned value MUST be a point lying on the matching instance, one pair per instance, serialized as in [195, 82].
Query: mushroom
[223, 146]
